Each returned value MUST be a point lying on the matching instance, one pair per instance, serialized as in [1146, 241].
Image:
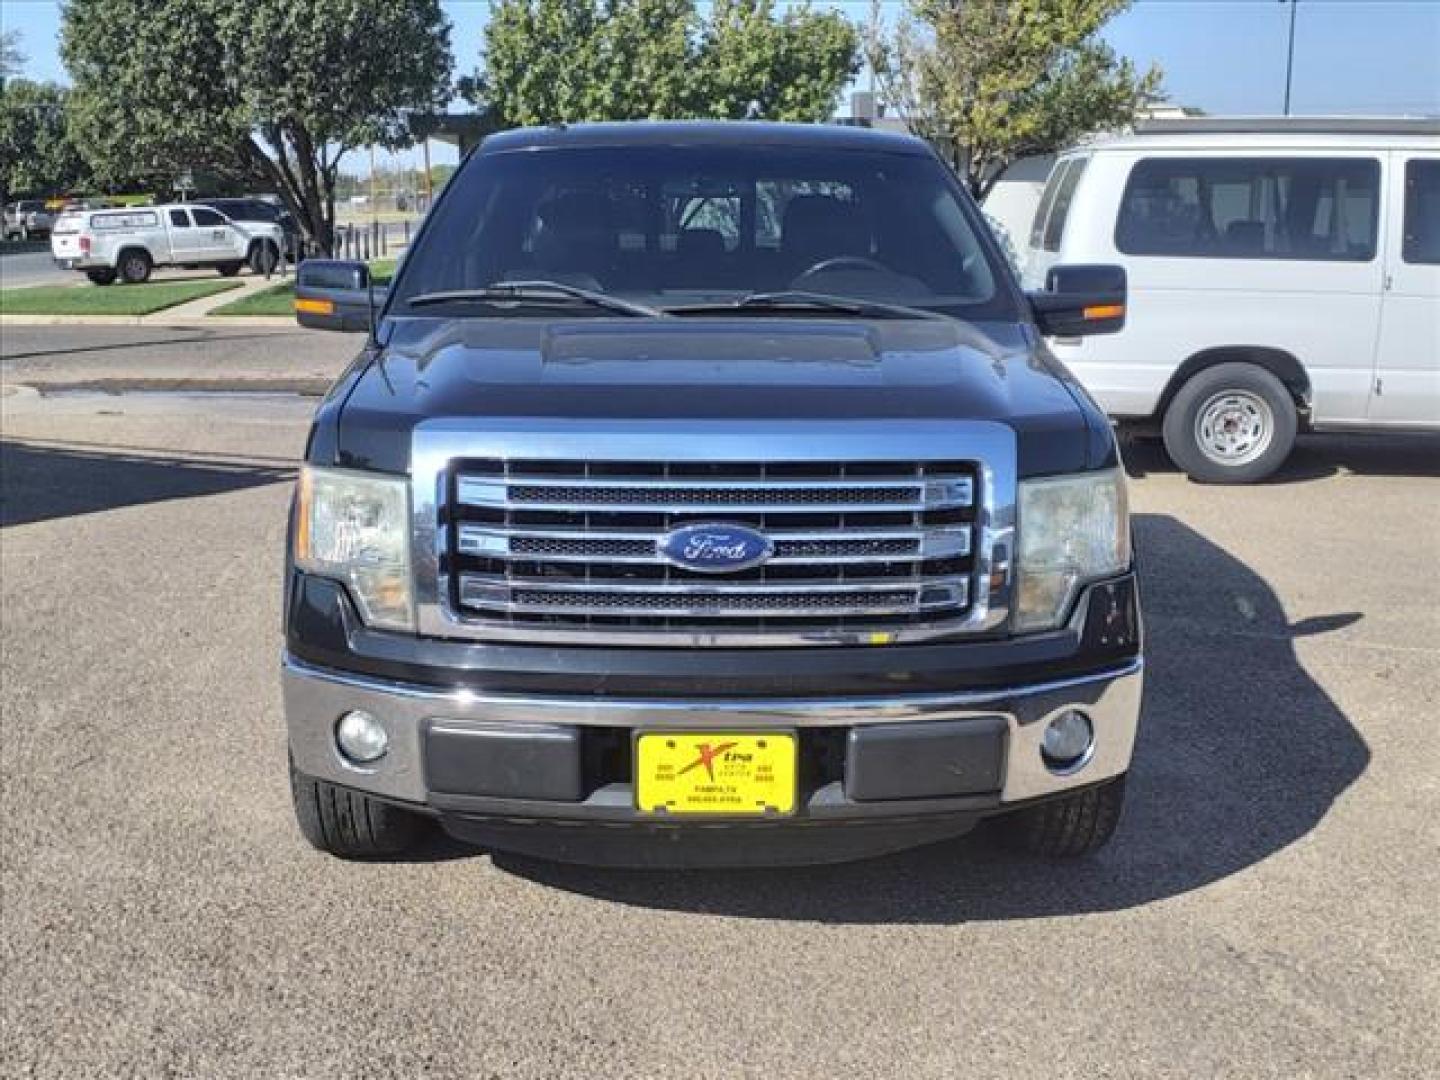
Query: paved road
[138, 357]
[32, 268]
[1267, 908]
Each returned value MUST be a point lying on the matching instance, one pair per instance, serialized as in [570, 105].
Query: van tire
[230, 269]
[101, 277]
[264, 258]
[1070, 826]
[351, 825]
[134, 266]
[1231, 424]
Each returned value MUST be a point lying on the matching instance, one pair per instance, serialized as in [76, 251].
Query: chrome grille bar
[639, 548]
[793, 599]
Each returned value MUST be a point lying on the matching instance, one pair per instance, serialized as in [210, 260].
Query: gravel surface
[1267, 908]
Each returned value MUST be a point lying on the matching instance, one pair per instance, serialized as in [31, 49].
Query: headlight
[1073, 530]
[355, 527]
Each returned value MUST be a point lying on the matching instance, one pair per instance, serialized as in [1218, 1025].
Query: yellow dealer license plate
[715, 773]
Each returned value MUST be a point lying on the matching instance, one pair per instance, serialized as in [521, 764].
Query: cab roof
[691, 133]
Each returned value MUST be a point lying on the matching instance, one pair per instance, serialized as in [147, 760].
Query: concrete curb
[159, 319]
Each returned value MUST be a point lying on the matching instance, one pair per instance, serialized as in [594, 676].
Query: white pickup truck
[129, 243]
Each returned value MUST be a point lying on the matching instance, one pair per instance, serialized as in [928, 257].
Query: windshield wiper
[799, 300]
[532, 292]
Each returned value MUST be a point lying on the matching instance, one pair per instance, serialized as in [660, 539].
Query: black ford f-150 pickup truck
[706, 493]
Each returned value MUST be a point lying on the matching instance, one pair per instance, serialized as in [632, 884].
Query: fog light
[1069, 740]
[361, 738]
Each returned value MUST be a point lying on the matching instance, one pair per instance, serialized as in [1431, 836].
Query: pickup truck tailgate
[65, 238]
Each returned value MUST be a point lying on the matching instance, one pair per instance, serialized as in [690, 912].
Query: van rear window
[1252, 208]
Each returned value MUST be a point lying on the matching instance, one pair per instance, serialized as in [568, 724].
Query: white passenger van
[1284, 276]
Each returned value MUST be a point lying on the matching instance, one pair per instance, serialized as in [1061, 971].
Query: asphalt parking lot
[1267, 907]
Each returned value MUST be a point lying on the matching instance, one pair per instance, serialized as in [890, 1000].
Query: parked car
[250, 209]
[129, 243]
[1285, 277]
[27, 220]
[705, 492]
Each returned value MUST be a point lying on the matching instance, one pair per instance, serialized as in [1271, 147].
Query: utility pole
[1290, 55]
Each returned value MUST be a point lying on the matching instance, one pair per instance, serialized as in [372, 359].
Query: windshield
[674, 226]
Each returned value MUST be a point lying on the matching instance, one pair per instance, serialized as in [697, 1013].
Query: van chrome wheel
[1234, 427]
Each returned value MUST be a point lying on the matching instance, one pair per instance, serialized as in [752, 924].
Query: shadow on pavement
[1317, 456]
[41, 482]
[1240, 754]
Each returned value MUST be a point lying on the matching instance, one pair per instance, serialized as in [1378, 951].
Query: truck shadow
[1317, 456]
[39, 482]
[1241, 753]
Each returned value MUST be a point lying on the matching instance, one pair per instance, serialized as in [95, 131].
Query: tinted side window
[206, 218]
[1252, 208]
[1422, 212]
[1064, 196]
[179, 219]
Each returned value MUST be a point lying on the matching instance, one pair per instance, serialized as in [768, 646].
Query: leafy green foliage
[988, 82]
[11, 58]
[37, 157]
[549, 61]
[269, 92]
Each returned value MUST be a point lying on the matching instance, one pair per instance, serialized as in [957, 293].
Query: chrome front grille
[577, 543]
[547, 546]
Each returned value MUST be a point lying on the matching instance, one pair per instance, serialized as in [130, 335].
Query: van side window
[179, 219]
[1064, 197]
[1252, 208]
[1047, 200]
[1422, 212]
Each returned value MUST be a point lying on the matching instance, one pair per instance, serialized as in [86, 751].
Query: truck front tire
[135, 266]
[351, 825]
[1070, 826]
[1231, 424]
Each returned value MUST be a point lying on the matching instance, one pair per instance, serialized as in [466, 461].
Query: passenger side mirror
[336, 294]
[1081, 300]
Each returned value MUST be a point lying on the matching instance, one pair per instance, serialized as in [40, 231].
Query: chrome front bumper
[315, 698]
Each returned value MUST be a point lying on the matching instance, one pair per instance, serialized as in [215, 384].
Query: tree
[991, 81]
[549, 61]
[36, 154]
[270, 92]
[11, 58]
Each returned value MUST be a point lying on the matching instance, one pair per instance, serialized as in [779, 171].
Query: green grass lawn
[280, 299]
[106, 299]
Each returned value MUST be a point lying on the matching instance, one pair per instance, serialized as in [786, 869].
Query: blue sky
[1225, 56]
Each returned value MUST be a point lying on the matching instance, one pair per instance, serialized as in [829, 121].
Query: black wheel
[349, 824]
[1231, 424]
[229, 269]
[134, 267]
[264, 258]
[1069, 826]
[101, 277]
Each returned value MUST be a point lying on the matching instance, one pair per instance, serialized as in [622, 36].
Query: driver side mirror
[1081, 300]
[335, 294]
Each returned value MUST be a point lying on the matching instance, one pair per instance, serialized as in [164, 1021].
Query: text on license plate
[715, 773]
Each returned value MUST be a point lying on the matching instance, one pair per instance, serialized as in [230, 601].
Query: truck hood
[711, 368]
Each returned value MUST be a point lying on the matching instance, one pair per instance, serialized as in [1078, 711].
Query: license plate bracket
[716, 773]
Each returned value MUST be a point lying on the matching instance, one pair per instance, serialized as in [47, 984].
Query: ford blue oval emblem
[715, 549]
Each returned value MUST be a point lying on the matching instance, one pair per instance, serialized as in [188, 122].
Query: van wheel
[352, 825]
[264, 258]
[1070, 826]
[135, 267]
[101, 277]
[229, 269]
[1231, 424]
